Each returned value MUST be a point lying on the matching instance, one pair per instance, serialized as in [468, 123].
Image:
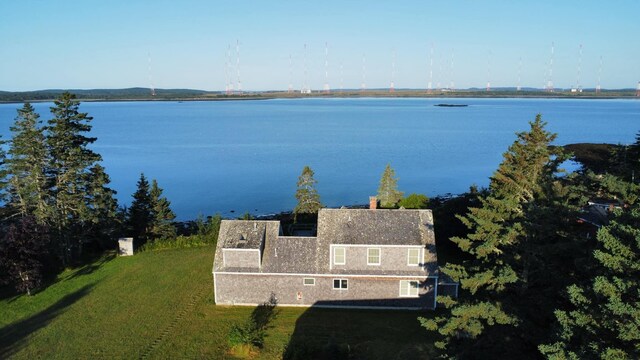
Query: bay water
[232, 157]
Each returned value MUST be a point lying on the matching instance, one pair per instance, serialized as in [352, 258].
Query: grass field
[160, 305]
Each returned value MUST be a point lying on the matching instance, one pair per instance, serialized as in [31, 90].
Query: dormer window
[339, 256]
[373, 256]
[413, 257]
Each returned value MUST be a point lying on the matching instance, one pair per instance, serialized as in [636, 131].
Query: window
[373, 256]
[413, 258]
[309, 282]
[339, 257]
[340, 284]
[409, 288]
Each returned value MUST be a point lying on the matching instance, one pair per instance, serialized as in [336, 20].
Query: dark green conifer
[306, 194]
[603, 320]
[28, 186]
[140, 217]
[70, 162]
[162, 225]
[388, 193]
[505, 245]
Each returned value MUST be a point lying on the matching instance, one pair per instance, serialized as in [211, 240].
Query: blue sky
[105, 44]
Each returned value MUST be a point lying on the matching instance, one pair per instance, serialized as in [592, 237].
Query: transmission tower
[290, 89]
[550, 81]
[229, 71]
[451, 83]
[489, 71]
[578, 84]
[393, 71]
[326, 68]
[363, 86]
[305, 84]
[341, 78]
[518, 88]
[238, 66]
[151, 87]
[598, 87]
[430, 84]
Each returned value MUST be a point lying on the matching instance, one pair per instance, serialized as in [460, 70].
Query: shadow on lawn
[14, 336]
[341, 333]
[92, 265]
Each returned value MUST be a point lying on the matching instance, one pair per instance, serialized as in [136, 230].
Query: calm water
[246, 155]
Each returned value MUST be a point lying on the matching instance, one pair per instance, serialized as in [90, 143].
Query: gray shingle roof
[290, 255]
[380, 226]
[242, 234]
[310, 255]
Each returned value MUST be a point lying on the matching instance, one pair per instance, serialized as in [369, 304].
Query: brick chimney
[373, 202]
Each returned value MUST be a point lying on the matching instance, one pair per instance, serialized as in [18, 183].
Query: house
[365, 258]
[595, 214]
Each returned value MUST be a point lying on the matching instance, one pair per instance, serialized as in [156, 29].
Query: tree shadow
[264, 314]
[15, 335]
[332, 330]
[91, 266]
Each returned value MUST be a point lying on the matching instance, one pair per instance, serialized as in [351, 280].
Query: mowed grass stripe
[160, 304]
[125, 304]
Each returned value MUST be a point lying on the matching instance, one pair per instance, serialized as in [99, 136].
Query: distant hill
[136, 93]
[144, 94]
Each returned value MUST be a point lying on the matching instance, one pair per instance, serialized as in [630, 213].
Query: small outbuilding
[125, 246]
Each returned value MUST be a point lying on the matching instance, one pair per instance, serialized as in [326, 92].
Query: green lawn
[160, 305]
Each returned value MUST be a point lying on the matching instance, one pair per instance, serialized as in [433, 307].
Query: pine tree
[28, 185]
[388, 193]
[506, 244]
[140, 217]
[100, 213]
[162, 226]
[70, 161]
[307, 195]
[603, 321]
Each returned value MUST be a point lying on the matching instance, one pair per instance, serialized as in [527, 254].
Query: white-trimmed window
[309, 281]
[373, 256]
[340, 284]
[409, 288]
[339, 256]
[413, 257]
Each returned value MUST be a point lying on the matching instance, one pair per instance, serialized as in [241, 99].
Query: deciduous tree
[23, 252]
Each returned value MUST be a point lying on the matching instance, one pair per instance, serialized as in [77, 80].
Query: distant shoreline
[140, 94]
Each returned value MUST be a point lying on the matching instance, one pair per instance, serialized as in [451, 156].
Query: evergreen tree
[70, 161]
[307, 195]
[140, 217]
[604, 317]
[23, 253]
[3, 174]
[100, 213]
[388, 193]
[507, 235]
[162, 224]
[28, 186]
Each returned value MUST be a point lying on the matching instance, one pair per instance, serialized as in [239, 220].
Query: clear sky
[105, 44]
